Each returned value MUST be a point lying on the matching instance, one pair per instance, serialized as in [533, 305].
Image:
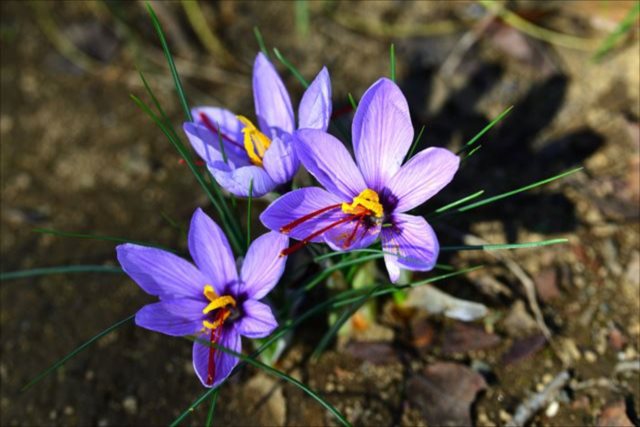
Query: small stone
[616, 339]
[614, 415]
[68, 410]
[130, 405]
[590, 356]
[505, 416]
[552, 409]
[89, 375]
[53, 415]
[103, 422]
[546, 284]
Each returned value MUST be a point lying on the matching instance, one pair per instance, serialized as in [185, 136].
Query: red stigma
[215, 336]
[302, 243]
[293, 224]
[209, 125]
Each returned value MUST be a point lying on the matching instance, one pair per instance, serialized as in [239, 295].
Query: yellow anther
[368, 200]
[255, 142]
[216, 301]
[216, 323]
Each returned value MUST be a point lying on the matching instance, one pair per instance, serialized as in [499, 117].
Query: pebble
[590, 356]
[68, 410]
[130, 405]
[552, 409]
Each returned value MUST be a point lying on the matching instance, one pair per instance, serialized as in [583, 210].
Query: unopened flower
[209, 300]
[261, 154]
[361, 201]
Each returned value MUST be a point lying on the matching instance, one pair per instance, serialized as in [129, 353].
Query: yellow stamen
[368, 200]
[216, 323]
[255, 142]
[216, 301]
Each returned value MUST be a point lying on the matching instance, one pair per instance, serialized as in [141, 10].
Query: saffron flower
[264, 154]
[370, 198]
[209, 300]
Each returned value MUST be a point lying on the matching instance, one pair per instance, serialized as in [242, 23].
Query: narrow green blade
[291, 68]
[517, 190]
[172, 65]
[497, 247]
[75, 352]
[45, 271]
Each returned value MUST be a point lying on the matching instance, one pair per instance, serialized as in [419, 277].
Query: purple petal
[175, 317]
[346, 237]
[382, 132]
[263, 266]
[422, 177]
[273, 105]
[329, 162]
[280, 160]
[314, 111]
[161, 273]
[295, 205]
[257, 320]
[207, 145]
[224, 362]
[238, 180]
[210, 250]
[413, 241]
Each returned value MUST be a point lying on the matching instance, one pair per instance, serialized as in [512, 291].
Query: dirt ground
[77, 155]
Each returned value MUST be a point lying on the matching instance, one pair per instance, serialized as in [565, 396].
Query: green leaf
[74, 235]
[392, 61]
[249, 202]
[212, 407]
[291, 68]
[621, 29]
[496, 247]
[415, 143]
[517, 190]
[485, 129]
[459, 202]
[45, 271]
[172, 65]
[260, 40]
[75, 352]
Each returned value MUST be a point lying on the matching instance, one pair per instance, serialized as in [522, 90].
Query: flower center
[365, 203]
[255, 142]
[215, 303]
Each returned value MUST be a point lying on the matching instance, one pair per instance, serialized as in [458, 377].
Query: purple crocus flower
[361, 201]
[209, 300]
[262, 154]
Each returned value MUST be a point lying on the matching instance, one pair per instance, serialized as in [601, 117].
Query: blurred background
[78, 155]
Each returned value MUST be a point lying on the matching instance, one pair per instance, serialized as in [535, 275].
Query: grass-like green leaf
[291, 68]
[212, 407]
[486, 129]
[65, 269]
[460, 201]
[352, 101]
[502, 246]
[621, 29]
[392, 61]
[75, 352]
[278, 374]
[517, 190]
[172, 66]
[415, 143]
[260, 40]
[302, 17]
[115, 239]
[249, 203]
